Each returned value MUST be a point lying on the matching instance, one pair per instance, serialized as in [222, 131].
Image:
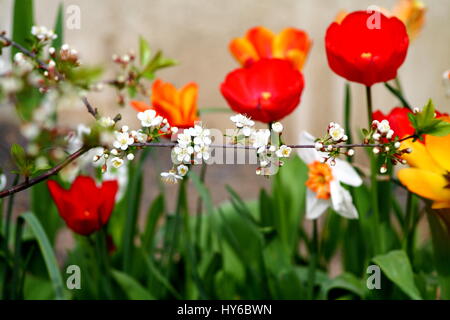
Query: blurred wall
[197, 32]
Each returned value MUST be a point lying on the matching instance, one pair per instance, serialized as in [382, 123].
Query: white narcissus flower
[149, 118]
[260, 139]
[171, 177]
[123, 140]
[324, 189]
[182, 170]
[277, 127]
[283, 152]
[2, 181]
[336, 132]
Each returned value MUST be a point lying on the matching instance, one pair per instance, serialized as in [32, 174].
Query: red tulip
[85, 207]
[398, 120]
[267, 90]
[361, 51]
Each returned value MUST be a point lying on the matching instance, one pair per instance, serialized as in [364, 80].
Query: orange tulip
[179, 107]
[290, 44]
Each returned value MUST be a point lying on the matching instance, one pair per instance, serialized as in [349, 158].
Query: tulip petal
[140, 106]
[292, 44]
[426, 184]
[439, 148]
[315, 207]
[243, 51]
[262, 39]
[188, 96]
[419, 157]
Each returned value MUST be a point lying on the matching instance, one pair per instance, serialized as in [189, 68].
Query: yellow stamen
[266, 95]
[366, 55]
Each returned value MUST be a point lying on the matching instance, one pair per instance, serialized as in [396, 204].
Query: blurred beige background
[197, 32]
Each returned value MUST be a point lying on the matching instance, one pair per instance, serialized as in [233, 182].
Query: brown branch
[236, 146]
[45, 66]
[31, 182]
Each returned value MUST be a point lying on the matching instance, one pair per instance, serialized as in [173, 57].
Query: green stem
[176, 226]
[348, 116]
[105, 266]
[314, 257]
[15, 283]
[9, 211]
[199, 220]
[399, 95]
[373, 178]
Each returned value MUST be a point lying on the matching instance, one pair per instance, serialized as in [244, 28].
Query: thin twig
[236, 146]
[44, 176]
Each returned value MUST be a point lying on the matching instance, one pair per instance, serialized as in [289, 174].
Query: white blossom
[182, 170]
[106, 122]
[202, 151]
[336, 131]
[170, 177]
[184, 139]
[260, 139]
[384, 126]
[283, 152]
[183, 154]
[277, 127]
[242, 121]
[116, 162]
[42, 33]
[130, 156]
[201, 135]
[149, 118]
[123, 140]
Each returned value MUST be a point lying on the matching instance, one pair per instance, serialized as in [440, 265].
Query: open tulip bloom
[324, 185]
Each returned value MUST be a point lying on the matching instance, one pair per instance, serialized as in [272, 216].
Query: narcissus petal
[426, 184]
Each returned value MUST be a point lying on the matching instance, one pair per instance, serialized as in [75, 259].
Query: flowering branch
[31, 182]
[44, 66]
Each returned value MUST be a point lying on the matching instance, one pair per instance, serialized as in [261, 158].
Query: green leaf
[59, 27]
[144, 51]
[18, 155]
[440, 129]
[133, 289]
[47, 253]
[397, 268]
[346, 281]
[154, 213]
[22, 22]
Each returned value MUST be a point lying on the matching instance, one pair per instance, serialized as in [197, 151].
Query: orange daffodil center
[290, 44]
[319, 178]
[429, 175]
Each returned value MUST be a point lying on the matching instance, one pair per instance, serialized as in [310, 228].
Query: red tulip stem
[369, 104]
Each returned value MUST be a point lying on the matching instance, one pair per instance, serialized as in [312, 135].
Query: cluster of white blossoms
[43, 34]
[328, 145]
[121, 145]
[383, 130]
[193, 147]
[267, 143]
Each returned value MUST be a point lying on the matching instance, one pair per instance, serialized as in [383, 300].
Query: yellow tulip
[429, 175]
